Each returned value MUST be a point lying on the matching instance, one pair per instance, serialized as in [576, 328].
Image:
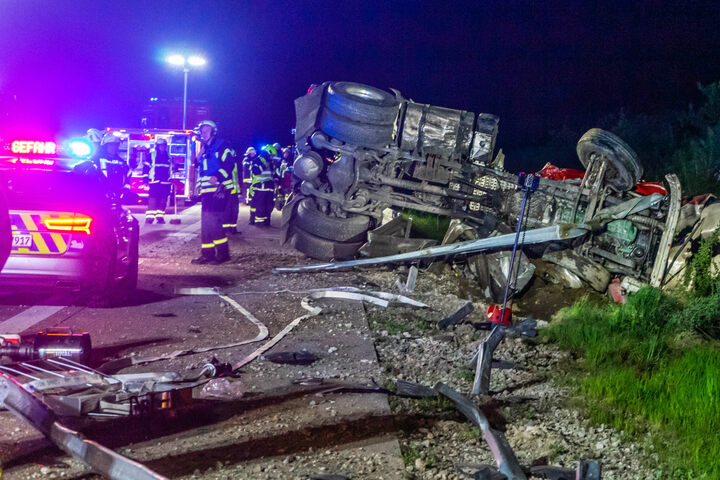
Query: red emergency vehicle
[135, 148]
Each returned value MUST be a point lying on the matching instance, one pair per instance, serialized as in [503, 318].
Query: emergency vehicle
[135, 148]
[67, 232]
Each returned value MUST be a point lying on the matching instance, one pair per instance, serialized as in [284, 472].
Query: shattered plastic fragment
[222, 389]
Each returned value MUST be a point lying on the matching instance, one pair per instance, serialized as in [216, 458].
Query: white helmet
[160, 141]
[250, 150]
[110, 138]
[94, 135]
[209, 123]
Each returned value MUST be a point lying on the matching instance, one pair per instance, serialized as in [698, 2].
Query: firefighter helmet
[160, 141]
[270, 149]
[250, 150]
[277, 147]
[210, 123]
[110, 138]
[94, 135]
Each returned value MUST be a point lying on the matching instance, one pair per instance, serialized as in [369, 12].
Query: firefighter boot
[207, 255]
[222, 254]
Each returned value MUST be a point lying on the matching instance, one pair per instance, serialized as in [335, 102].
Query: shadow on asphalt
[124, 431]
[119, 432]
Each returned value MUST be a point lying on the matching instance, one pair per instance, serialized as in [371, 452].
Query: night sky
[67, 65]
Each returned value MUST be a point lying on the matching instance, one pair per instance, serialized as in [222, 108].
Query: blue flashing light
[80, 148]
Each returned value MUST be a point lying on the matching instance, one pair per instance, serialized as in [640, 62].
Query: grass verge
[646, 369]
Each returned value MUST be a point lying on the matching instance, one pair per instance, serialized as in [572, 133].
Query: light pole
[186, 63]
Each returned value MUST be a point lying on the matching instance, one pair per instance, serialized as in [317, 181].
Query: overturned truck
[361, 150]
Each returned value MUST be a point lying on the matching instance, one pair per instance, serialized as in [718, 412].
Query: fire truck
[135, 148]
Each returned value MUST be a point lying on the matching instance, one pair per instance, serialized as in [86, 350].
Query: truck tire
[308, 218]
[321, 248]
[623, 169]
[362, 103]
[356, 133]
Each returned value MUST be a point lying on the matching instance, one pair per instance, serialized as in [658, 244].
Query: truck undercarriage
[361, 150]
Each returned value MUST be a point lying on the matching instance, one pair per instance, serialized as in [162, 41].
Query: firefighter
[277, 158]
[95, 137]
[215, 178]
[261, 189]
[157, 170]
[250, 153]
[232, 208]
[116, 169]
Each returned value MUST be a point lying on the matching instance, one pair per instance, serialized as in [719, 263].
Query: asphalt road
[176, 307]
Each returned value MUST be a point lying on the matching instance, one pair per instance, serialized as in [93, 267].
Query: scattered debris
[456, 317]
[413, 390]
[116, 365]
[585, 471]
[25, 405]
[222, 389]
[506, 461]
[381, 299]
[412, 278]
[409, 285]
[483, 361]
[71, 389]
[616, 292]
[392, 238]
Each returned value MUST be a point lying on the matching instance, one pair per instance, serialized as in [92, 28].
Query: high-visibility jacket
[246, 164]
[158, 168]
[115, 169]
[236, 172]
[216, 161]
[261, 175]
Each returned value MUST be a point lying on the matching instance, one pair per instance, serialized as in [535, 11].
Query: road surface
[176, 308]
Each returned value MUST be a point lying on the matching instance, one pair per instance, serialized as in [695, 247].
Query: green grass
[465, 373]
[646, 371]
[410, 453]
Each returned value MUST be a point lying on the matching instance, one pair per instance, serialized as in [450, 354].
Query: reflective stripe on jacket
[216, 161]
[159, 168]
[261, 175]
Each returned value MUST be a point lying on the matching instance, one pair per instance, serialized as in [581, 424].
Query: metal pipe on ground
[102, 460]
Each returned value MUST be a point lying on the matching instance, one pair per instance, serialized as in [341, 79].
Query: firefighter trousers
[157, 200]
[261, 205]
[232, 210]
[213, 238]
